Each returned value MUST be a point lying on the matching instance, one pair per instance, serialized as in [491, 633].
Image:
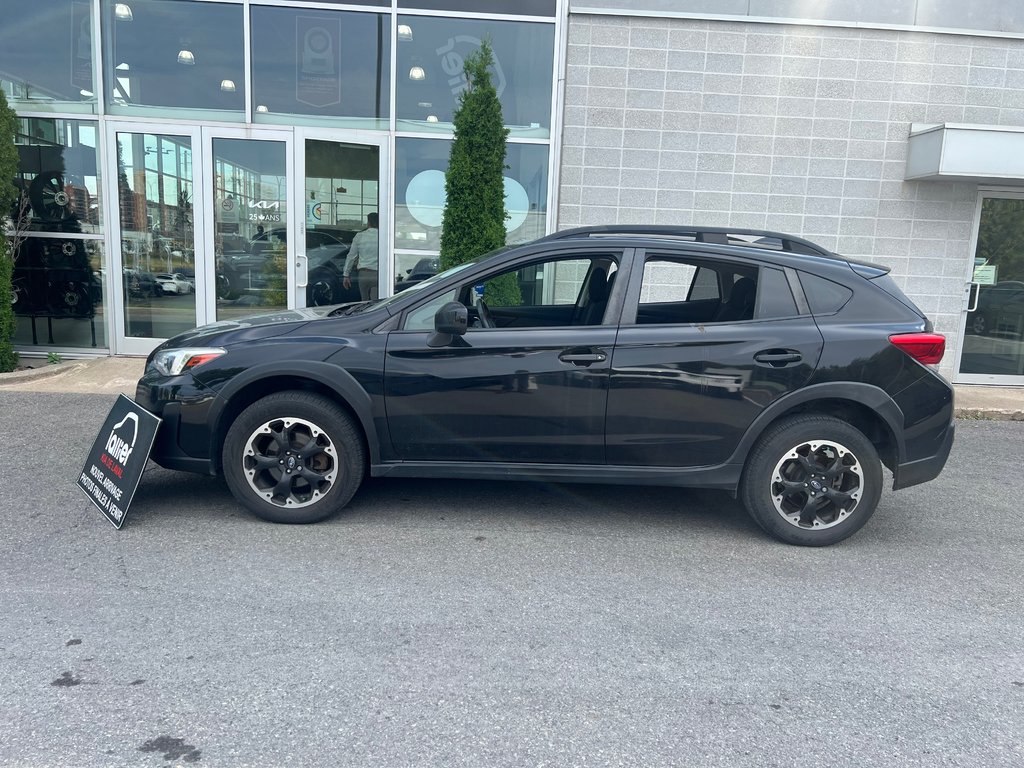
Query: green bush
[474, 212]
[8, 197]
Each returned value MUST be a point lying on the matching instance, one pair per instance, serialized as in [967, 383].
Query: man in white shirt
[362, 257]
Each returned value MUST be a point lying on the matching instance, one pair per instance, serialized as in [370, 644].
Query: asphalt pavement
[454, 623]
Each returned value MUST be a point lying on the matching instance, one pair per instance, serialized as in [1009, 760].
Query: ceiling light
[417, 73]
[86, 93]
[431, 118]
[227, 85]
[425, 104]
[123, 12]
[262, 108]
[186, 57]
[404, 32]
[123, 66]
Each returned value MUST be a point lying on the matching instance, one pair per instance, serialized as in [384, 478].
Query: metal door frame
[382, 141]
[120, 343]
[970, 295]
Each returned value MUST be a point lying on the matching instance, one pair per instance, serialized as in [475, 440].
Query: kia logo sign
[264, 205]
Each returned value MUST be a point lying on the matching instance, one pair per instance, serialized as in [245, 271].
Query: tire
[324, 289]
[801, 451]
[323, 482]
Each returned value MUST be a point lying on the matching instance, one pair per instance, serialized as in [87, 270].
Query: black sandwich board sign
[117, 459]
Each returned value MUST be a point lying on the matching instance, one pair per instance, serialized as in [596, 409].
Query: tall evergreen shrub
[8, 198]
[474, 211]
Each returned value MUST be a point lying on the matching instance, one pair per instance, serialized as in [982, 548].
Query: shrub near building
[8, 198]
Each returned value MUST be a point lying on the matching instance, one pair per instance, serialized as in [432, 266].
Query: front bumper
[183, 439]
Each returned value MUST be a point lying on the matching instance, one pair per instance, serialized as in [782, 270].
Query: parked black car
[424, 268]
[753, 362]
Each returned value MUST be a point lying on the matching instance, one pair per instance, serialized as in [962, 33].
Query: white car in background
[176, 283]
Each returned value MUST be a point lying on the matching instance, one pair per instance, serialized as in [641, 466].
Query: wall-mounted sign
[317, 60]
[118, 458]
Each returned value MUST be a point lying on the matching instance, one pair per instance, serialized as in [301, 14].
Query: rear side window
[824, 296]
[775, 299]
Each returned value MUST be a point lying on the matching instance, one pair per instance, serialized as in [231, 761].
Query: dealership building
[187, 161]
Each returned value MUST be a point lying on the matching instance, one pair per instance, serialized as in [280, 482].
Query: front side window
[545, 294]
[679, 290]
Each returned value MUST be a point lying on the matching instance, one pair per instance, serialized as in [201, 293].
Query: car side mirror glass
[450, 321]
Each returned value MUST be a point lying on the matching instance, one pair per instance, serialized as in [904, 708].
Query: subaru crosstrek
[754, 362]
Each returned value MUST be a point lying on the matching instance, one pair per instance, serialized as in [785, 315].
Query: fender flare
[877, 400]
[334, 378]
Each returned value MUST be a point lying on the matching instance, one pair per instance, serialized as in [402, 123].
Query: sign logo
[452, 61]
[265, 205]
[118, 447]
[317, 61]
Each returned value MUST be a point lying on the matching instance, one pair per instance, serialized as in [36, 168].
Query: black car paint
[409, 411]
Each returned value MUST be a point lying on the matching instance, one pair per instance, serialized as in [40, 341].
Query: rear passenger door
[705, 344]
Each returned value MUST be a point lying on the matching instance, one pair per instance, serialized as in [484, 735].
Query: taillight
[927, 348]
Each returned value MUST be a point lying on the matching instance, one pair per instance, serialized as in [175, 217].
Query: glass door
[251, 234]
[156, 235]
[344, 227]
[992, 351]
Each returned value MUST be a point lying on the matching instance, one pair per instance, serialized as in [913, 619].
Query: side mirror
[450, 321]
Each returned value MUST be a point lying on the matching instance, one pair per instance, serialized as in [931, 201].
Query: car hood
[261, 326]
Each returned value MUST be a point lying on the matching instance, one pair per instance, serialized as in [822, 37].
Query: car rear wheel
[294, 457]
[812, 480]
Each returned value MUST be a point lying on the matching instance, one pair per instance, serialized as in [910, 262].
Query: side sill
[723, 476]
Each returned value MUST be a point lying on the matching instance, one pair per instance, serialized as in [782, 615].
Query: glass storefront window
[60, 292]
[157, 235]
[185, 58]
[429, 79]
[321, 64]
[46, 56]
[58, 175]
[994, 335]
[420, 195]
[250, 219]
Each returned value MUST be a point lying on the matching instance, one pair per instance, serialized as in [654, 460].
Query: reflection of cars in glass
[176, 283]
[1000, 310]
[423, 269]
[545, 361]
[240, 274]
[139, 283]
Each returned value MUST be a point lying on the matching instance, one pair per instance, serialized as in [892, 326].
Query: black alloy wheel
[294, 457]
[812, 480]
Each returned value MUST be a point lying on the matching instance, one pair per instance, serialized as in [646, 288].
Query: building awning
[951, 152]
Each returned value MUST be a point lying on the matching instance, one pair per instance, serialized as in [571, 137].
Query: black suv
[754, 362]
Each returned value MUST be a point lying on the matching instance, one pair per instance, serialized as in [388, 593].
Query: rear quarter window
[824, 296]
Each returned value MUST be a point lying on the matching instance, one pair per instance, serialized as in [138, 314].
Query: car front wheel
[294, 457]
[812, 480]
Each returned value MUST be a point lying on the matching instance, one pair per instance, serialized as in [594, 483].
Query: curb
[988, 414]
[43, 372]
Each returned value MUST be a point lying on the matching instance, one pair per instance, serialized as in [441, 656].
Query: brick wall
[792, 128]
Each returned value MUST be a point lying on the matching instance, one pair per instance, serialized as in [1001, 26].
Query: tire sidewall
[328, 418]
[755, 489]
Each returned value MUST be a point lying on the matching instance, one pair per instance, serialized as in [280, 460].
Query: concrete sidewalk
[114, 375]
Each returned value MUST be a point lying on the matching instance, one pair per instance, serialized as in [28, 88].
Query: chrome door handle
[977, 294]
[301, 270]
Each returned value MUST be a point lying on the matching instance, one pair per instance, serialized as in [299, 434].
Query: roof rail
[720, 235]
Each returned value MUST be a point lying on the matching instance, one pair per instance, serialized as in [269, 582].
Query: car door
[706, 343]
[532, 388]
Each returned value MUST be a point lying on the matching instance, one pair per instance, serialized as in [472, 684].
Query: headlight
[171, 362]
